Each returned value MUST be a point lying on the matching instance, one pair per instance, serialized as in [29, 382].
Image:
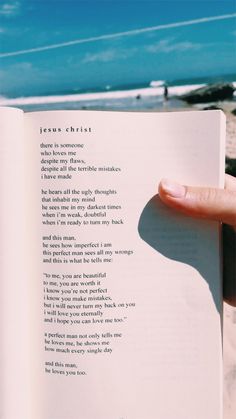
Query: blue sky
[193, 50]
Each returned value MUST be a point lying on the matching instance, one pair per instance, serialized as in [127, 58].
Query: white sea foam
[157, 83]
[81, 97]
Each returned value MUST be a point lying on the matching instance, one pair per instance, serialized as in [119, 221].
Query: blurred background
[125, 55]
[69, 54]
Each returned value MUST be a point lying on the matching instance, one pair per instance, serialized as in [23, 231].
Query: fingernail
[172, 188]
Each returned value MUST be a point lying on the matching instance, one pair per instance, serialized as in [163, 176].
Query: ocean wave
[100, 96]
[81, 97]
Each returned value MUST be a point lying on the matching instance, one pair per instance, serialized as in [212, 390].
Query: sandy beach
[229, 362]
[229, 334]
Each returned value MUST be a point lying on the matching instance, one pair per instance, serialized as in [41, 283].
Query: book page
[18, 267]
[129, 292]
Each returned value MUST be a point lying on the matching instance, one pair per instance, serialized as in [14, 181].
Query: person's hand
[213, 204]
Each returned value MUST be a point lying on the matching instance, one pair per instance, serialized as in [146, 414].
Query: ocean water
[149, 96]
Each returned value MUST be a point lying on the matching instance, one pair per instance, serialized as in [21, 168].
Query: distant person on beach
[212, 204]
[165, 92]
[165, 96]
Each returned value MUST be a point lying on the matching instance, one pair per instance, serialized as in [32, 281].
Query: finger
[230, 182]
[210, 203]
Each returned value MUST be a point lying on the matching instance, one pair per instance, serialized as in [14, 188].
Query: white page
[18, 268]
[169, 348]
[165, 360]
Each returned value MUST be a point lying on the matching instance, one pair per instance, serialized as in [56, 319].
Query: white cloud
[10, 9]
[168, 45]
[108, 55]
[25, 66]
[103, 56]
[20, 74]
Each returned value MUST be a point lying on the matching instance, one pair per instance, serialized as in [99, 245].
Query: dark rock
[138, 97]
[234, 111]
[210, 93]
[230, 166]
[212, 108]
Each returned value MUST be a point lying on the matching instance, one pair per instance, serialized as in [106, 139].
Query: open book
[110, 302]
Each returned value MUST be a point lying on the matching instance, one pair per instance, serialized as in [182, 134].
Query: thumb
[211, 203]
